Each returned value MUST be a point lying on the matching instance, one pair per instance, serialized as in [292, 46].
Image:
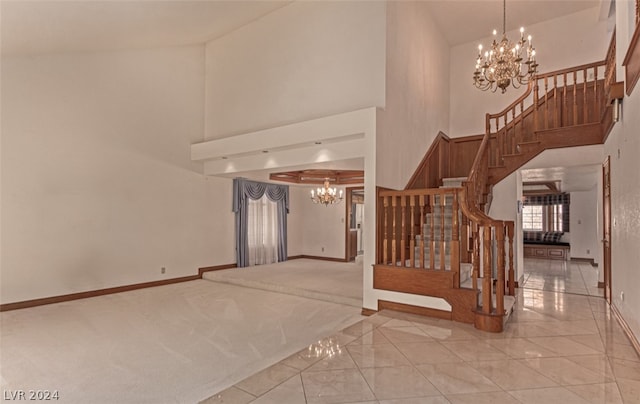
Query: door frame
[606, 227]
[347, 224]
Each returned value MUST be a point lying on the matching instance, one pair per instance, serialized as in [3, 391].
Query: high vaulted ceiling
[48, 26]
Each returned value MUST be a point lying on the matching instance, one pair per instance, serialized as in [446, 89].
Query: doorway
[354, 225]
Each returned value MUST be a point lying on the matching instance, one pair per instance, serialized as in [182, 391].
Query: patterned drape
[552, 199]
[243, 190]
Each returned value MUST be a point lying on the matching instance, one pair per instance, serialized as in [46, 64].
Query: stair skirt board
[464, 301]
[428, 283]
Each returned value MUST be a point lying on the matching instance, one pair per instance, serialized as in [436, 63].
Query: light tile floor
[561, 276]
[557, 348]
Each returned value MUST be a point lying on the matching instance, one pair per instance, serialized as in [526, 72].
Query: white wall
[98, 186]
[417, 92]
[623, 145]
[563, 42]
[295, 221]
[320, 226]
[303, 61]
[583, 223]
[504, 207]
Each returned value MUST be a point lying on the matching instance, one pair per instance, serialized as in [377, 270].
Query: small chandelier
[503, 64]
[326, 196]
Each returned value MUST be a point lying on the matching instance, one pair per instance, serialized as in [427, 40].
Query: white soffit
[332, 130]
[272, 161]
[571, 179]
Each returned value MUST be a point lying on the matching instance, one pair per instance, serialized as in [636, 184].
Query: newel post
[511, 280]
[500, 285]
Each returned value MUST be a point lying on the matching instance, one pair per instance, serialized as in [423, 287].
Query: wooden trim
[108, 291]
[347, 221]
[94, 293]
[490, 322]
[627, 330]
[418, 174]
[409, 308]
[516, 284]
[631, 61]
[315, 257]
[587, 260]
[368, 312]
[215, 268]
[600, 285]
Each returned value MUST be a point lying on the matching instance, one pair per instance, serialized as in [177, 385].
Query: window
[557, 218]
[262, 231]
[532, 219]
[544, 218]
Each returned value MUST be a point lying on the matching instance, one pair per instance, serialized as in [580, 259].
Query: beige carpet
[177, 343]
[337, 282]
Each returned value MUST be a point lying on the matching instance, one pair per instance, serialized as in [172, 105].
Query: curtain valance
[546, 200]
[244, 188]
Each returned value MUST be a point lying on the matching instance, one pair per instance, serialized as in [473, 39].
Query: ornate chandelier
[503, 64]
[326, 195]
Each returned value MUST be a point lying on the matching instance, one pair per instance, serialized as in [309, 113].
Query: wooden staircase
[440, 242]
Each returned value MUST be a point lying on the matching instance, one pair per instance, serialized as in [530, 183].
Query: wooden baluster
[596, 104]
[546, 102]
[500, 284]
[575, 95]
[423, 233]
[432, 230]
[505, 134]
[514, 140]
[475, 254]
[535, 106]
[585, 112]
[555, 102]
[498, 152]
[455, 241]
[442, 241]
[412, 241]
[523, 133]
[385, 229]
[511, 280]
[486, 270]
[564, 100]
[394, 251]
[403, 231]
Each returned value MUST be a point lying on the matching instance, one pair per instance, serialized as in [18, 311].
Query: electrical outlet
[163, 270]
[622, 296]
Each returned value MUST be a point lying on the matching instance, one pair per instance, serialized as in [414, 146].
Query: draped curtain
[262, 231]
[245, 191]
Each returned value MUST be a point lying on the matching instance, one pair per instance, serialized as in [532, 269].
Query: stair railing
[404, 227]
[567, 97]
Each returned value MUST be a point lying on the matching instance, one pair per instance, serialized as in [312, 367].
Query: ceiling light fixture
[503, 64]
[326, 196]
